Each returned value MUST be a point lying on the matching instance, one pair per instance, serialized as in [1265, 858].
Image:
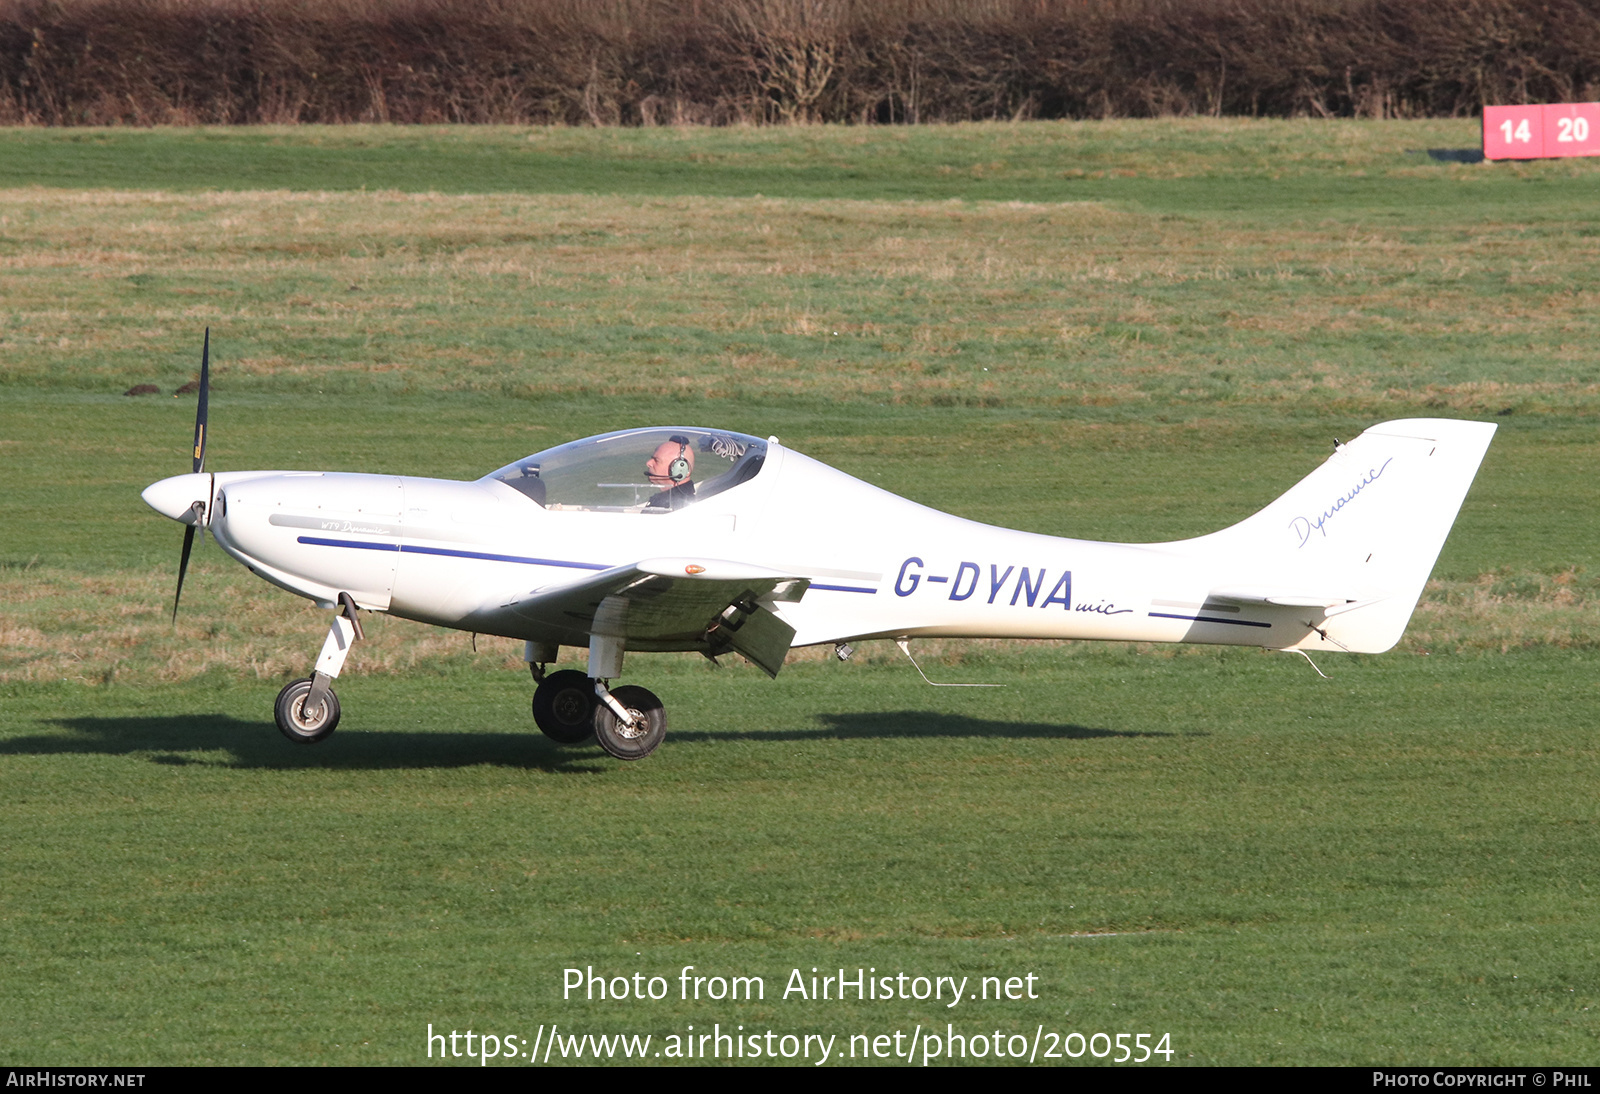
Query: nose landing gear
[307, 711]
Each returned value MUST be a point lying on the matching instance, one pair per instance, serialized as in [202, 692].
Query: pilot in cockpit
[672, 467]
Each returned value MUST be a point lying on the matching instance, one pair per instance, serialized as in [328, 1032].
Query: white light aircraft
[754, 548]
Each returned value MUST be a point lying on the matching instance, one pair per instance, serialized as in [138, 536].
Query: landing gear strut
[307, 711]
[629, 722]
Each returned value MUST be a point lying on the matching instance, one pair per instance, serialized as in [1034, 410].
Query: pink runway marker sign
[1541, 131]
[1572, 129]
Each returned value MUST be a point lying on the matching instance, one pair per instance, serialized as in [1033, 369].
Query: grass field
[1123, 330]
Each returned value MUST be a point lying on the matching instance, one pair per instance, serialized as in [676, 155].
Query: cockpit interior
[655, 470]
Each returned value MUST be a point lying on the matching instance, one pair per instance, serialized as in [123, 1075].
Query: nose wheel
[300, 725]
[563, 707]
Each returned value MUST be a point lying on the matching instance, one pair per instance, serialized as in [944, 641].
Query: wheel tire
[563, 707]
[631, 744]
[290, 713]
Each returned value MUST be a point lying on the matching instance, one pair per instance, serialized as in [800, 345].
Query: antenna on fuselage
[905, 648]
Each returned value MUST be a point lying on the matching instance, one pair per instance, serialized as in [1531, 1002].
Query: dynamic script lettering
[1304, 526]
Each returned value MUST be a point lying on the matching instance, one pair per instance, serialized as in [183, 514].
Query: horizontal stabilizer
[1276, 599]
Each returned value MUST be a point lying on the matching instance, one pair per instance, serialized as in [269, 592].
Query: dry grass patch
[920, 302]
[1508, 610]
[60, 625]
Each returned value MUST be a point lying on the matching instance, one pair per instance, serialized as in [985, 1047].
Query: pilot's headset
[679, 470]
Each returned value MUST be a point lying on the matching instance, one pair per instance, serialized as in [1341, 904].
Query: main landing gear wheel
[295, 723]
[636, 741]
[563, 707]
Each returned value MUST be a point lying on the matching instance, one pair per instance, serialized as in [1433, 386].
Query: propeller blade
[201, 411]
[183, 564]
[200, 415]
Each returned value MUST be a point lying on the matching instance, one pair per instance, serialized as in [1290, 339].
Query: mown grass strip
[1388, 864]
[1264, 170]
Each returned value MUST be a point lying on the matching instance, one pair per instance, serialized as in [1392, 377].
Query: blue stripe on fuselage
[318, 541]
[449, 553]
[1210, 619]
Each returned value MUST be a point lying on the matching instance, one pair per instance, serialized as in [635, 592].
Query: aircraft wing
[670, 604]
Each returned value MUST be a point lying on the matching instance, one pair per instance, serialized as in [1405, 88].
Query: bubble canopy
[609, 473]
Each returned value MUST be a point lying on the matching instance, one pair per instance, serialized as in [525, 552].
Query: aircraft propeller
[198, 509]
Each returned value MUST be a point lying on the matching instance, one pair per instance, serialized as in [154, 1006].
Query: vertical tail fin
[1353, 542]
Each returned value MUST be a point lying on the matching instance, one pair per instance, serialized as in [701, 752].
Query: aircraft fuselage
[449, 553]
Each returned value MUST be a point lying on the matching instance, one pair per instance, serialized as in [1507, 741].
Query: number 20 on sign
[1541, 131]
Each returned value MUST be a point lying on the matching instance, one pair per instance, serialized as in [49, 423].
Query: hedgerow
[654, 62]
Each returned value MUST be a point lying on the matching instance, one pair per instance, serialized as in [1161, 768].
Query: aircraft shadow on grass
[912, 724]
[168, 740]
[253, 744]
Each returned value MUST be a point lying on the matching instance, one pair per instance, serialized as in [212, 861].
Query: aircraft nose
[175, 497]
